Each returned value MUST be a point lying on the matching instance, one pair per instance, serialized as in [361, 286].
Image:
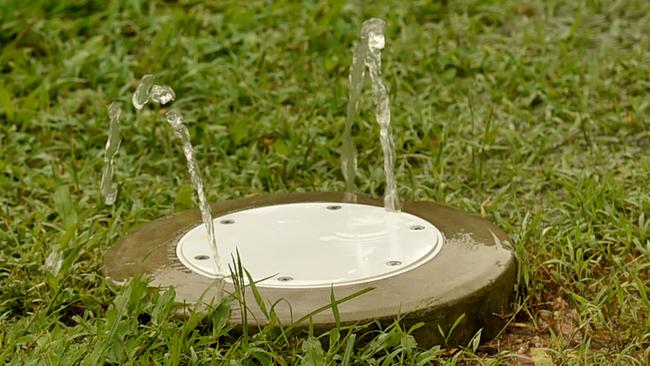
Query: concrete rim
[473, 275]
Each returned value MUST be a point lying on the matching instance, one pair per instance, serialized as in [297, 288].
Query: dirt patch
[556, 324]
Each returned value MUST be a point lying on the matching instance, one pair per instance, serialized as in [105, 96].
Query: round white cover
[314, 244]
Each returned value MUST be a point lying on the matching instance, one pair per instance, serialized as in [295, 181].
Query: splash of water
[372, 31]
[108, 187]
[54, 262]
[142, 92]
[162, 94]
[348, 151]
[175, 119]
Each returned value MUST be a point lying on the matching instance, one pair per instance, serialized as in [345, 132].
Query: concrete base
[472, 275]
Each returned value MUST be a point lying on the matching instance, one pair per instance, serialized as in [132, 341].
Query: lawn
[534, 115]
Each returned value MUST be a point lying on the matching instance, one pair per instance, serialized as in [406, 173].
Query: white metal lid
[314, 244]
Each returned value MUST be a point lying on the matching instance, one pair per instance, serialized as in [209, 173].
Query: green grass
[535, 115]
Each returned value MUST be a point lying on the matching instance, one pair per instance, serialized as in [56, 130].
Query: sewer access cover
[314, 244]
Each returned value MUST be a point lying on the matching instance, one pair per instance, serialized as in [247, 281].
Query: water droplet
[376, 41]
[114, 112]
[111, 196]
[162, 94]
[107, 187]
[141, 95]
[373, 30]
[53, 262]
[174, 118]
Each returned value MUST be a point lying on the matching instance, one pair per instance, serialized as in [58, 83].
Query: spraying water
[162, 94]
[348, 151]
[176, 120]
[148, 91]
[373, 30]
[108, 187]
[141, 95]
[368, 54]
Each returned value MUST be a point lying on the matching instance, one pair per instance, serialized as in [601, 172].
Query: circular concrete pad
[472, 276]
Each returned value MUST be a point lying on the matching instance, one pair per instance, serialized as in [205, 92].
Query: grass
[532, 114]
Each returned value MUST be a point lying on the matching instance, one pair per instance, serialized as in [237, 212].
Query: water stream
[163, 94]
[108, 187]
[175, 119]
[348, 151]
[373, 30]
[368, 54]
